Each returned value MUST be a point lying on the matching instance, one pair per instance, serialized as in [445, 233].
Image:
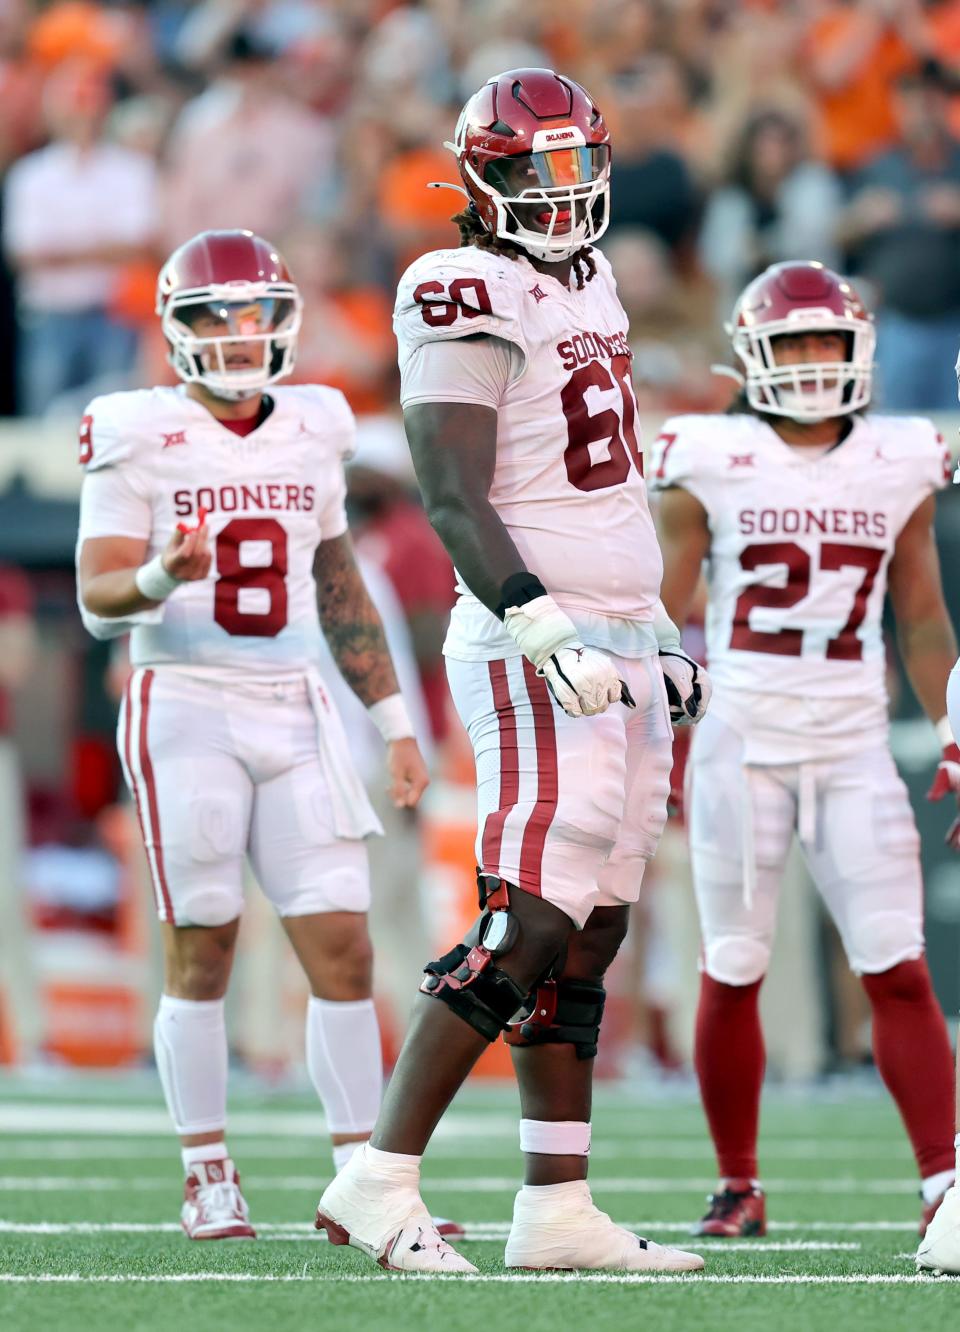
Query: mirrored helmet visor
[560, 168]
[241, 319]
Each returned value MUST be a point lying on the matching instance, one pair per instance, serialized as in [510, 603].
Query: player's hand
[583, 680]
[945, 781]
[947, 776]
[188, 556]
[688, 687]
[408, 773]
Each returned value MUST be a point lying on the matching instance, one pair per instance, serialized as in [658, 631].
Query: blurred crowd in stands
[744, 131]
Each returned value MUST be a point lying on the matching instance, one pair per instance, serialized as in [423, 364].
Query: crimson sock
[729, 1058]
[912, 1051]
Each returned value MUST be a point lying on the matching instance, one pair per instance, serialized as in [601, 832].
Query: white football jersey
[568, 482]
[153, 458]
[797, 571]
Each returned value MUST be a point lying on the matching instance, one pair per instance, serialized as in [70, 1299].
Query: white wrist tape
[668, 635]
[562, 1137]
[153, 580]
[945, 732]
[540, 627]
[390, 717]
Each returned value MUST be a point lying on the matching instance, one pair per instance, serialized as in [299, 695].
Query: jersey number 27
[834, 555]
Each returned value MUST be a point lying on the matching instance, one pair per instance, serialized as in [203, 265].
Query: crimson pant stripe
[538, 824]
[131, 774]
[134, 782]
[146, 767]
[509, 767]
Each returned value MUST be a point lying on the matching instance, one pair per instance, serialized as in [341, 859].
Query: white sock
[934, 1185]
[956, 1143]
[203, 1152]
[402, 1168]
[345, 1062]
[549, 1195]
[343, 1152]
[190, 1045]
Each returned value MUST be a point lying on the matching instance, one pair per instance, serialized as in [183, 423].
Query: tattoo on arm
[351, 624]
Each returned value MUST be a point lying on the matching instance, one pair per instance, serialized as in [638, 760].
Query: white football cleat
[213, 1206]
[572, 1234]
[388, 1222]
[939, 1250]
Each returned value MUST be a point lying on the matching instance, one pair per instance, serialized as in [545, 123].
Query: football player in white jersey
[521, 418]
[807, 509]
[939, 1249]
[213, 527]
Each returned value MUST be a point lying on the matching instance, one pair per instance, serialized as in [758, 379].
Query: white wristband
[391, 718]
[944, 732]
[153, 580]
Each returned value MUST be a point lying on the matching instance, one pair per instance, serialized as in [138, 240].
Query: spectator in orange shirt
[416, 218]
[857, 51]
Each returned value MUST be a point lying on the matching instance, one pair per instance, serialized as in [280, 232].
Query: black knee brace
[481, 994]
[465, 979]
[564, 1012]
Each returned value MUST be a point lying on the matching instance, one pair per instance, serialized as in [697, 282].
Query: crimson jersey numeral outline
[450, 303]
[86, 440]
[834, 555]
[669, 439]
[232, 576]
[616, 429]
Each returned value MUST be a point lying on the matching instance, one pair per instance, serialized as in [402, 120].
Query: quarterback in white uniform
[808, 509]
[213, 528]
[518, 405]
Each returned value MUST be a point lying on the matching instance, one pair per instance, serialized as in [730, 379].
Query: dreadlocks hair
[473, 232]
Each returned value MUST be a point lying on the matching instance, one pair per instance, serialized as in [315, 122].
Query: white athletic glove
[583, 680]
[688, 685]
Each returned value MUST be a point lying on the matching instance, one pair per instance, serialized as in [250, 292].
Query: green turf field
[89, 1233]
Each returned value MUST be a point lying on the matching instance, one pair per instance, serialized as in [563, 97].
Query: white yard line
[81, 1118]
[476, 1231]
[451, 1148]
[507, 1278]
[51, 1115]
[464, 1184]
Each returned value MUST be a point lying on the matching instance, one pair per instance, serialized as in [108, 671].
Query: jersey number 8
[233, 577]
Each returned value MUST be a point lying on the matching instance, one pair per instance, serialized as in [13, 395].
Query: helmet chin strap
[232, 395]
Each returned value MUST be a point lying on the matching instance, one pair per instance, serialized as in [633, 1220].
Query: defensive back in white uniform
[156, 457]
[804, 508]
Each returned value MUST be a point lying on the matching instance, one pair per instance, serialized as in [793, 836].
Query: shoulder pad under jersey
[115, 426]
[324, 412]
[688, 449]
[451, 294]
[916, 444]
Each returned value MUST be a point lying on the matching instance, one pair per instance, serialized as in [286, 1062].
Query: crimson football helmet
[220, 295]
[534, 157]
[803, 297]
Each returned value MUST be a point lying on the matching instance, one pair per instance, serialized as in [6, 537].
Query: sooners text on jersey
[568, 482]
[799, 550]
[270, 498]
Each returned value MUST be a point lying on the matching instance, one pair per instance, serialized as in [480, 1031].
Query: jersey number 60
[614, 426]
